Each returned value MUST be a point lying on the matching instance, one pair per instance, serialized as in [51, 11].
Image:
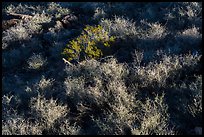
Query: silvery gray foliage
[36, 61]
[151, 84]
[119, 27]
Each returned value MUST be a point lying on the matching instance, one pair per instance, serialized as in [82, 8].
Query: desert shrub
[20, 126]
[36, 61]
[67, 129]
[188, 92]
[24, 30]
[189, 39]
[41, 18]
[153, 31]
[188, 13]
[159, 72]
[51, 8]
[99, 13]
[47, 110]
[119, 27]
[89, 44]
[44, 84]
[57, 10]
[110, 125]
[8, 103]
[139, 118]
[94, 84]
[193, 106]
[89, 84]
[16, 33]
[13, 123]
[155, 118]
[196, 88]
[137, 57]
[150, 36]
[17, 9]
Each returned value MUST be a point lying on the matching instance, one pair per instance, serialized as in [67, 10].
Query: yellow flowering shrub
[89, 44]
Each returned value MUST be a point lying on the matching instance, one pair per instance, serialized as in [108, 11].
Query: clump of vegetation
[57, 10]
[102, 68]
[36, 61]
[48, 109]
[89, 44]
[19, 126]
[120, 27]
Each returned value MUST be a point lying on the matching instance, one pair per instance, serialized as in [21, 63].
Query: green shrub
[90, 44]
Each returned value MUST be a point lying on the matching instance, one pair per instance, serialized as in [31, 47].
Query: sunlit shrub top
[89, 44]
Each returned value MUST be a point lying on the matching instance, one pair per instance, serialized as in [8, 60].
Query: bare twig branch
[66, 61]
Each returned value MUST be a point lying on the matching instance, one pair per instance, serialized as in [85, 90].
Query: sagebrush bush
[7, 107]
[155, 118]
[189, 39]
[16, 33]
[119, 27]
[48, 110]
[17, 9]
[89, 44]
[195, 106]
[98, 85]
[20, 126]
[154, 31]
[45, 83]
[24, 30]
[67, 129]
[36, 61]
[86, 81]
[57, 10]
[52, 8]
[99, 14]
[160, 72]
[188, 13]
[190, 109]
